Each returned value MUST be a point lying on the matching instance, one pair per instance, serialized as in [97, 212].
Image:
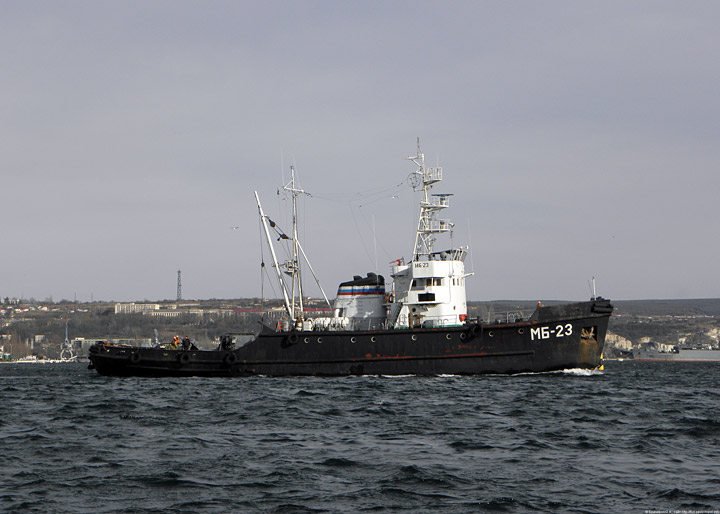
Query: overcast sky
[580, 139]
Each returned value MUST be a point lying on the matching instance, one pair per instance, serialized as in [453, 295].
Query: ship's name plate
[547, 332]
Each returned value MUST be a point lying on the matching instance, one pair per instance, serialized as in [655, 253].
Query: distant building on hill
[132, 307]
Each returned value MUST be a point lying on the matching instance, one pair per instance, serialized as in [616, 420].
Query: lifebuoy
[135, 357]
[183, 358]
[230, 358]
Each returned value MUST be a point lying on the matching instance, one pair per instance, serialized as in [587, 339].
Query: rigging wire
[355, 201]
[470, 247]
[359, 195]
[270, 281]
[362, 240]
[262, 278]
[264, 271]
[372, 229]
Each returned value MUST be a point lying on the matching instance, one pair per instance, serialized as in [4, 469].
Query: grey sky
[580, 139]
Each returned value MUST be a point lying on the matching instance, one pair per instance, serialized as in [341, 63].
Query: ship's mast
[293, 266]
[428, 225]
[290, 267]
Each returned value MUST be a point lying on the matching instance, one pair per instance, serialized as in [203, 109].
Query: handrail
[506, 317]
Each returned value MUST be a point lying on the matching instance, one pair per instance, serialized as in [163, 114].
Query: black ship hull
[553, 338]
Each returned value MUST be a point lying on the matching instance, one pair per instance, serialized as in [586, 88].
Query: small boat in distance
[28, 359]
[33, 359]
[419, 326]
[651, 352]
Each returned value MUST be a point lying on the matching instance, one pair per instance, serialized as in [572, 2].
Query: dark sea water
[637, 437]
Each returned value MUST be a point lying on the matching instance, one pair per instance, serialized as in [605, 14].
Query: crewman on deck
[226, 342]
[175, 343]
[186, 343]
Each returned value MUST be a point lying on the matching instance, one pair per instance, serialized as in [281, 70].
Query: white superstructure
[430, 290]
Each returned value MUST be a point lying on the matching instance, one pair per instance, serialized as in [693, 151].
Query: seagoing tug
[419, 327]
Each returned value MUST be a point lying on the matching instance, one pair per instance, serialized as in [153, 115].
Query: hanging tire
[183, 358]
[230, 358]
[135, 357]
[475, 330]
[293, 338]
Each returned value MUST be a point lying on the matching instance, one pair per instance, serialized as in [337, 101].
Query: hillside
[701, 306]
[669, 307]
[40, 329]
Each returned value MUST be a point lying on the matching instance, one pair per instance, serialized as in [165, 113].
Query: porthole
[413, 337]
[306, 340]
[462, 335]
[319, 339]
[521, 330]
[373, 339]
[353, 339]
[448, 336]
[491, 333]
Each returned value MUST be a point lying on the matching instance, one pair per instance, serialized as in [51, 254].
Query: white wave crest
[581, 372]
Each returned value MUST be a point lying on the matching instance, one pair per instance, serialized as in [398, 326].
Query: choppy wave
[581, 372]
[635, 437]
